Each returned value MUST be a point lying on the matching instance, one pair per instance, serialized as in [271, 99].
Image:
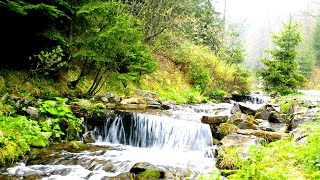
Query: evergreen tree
[280, 72]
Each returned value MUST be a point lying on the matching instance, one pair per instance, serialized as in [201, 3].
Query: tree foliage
[281, 69]
[110, 39]
[104, 38]
[31, 26]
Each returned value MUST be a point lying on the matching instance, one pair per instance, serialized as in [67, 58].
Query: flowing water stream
[176, 143]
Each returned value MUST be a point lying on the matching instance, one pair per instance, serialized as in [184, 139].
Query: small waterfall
[153, 131]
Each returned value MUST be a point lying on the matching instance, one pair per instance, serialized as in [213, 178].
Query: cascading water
[176, 144]
[159, 132]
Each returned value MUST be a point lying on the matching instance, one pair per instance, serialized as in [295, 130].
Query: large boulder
[265, 125]
[214, 119]
[245, 124]
[225, 129]
[145, 170]
[248, 108]
[274, 117]
[269, 112]
[108, 97]
[241, 140]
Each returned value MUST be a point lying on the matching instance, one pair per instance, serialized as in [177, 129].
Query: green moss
[149, 174]
[77, 144]
[18, 134]
[225, 129]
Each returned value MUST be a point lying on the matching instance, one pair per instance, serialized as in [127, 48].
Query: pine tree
[280, 72]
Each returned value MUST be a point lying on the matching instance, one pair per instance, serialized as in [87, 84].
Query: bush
[59, 119]
[48, 62]
[17, 135]
[219, 94]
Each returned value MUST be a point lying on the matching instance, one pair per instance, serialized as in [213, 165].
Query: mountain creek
[169, 142]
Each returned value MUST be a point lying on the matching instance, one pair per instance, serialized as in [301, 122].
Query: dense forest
[57, 56]
[122, 42]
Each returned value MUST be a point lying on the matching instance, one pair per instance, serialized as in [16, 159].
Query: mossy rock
[225, 129]
[77, 145]
[149, 174]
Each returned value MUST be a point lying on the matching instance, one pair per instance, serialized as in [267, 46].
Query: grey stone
[132, 101]
[32, 111]
[146, 94]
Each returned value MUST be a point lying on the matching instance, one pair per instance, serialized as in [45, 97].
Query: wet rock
[265, 126]
[302, 119]
[225, 129]
[268, 112]
[165, 106]
[214, 119]
[145, 170]
[247, 125]
[268, 136]
[152, 102]
[32, 111]
[240, 140]
[244, 108]
[88, 137]
[274, 117]
[227, 98]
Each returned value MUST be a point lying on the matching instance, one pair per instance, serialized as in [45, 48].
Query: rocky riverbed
[142, 136]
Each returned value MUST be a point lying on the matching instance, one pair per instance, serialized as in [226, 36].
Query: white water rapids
[179, 145]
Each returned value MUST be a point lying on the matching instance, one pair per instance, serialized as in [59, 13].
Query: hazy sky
[257, 14]
[259, 18]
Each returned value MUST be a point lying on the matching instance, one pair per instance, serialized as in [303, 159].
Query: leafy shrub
[219, 94]
[60, 119]
[18, 135]
[285, 106]
[48, 62]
